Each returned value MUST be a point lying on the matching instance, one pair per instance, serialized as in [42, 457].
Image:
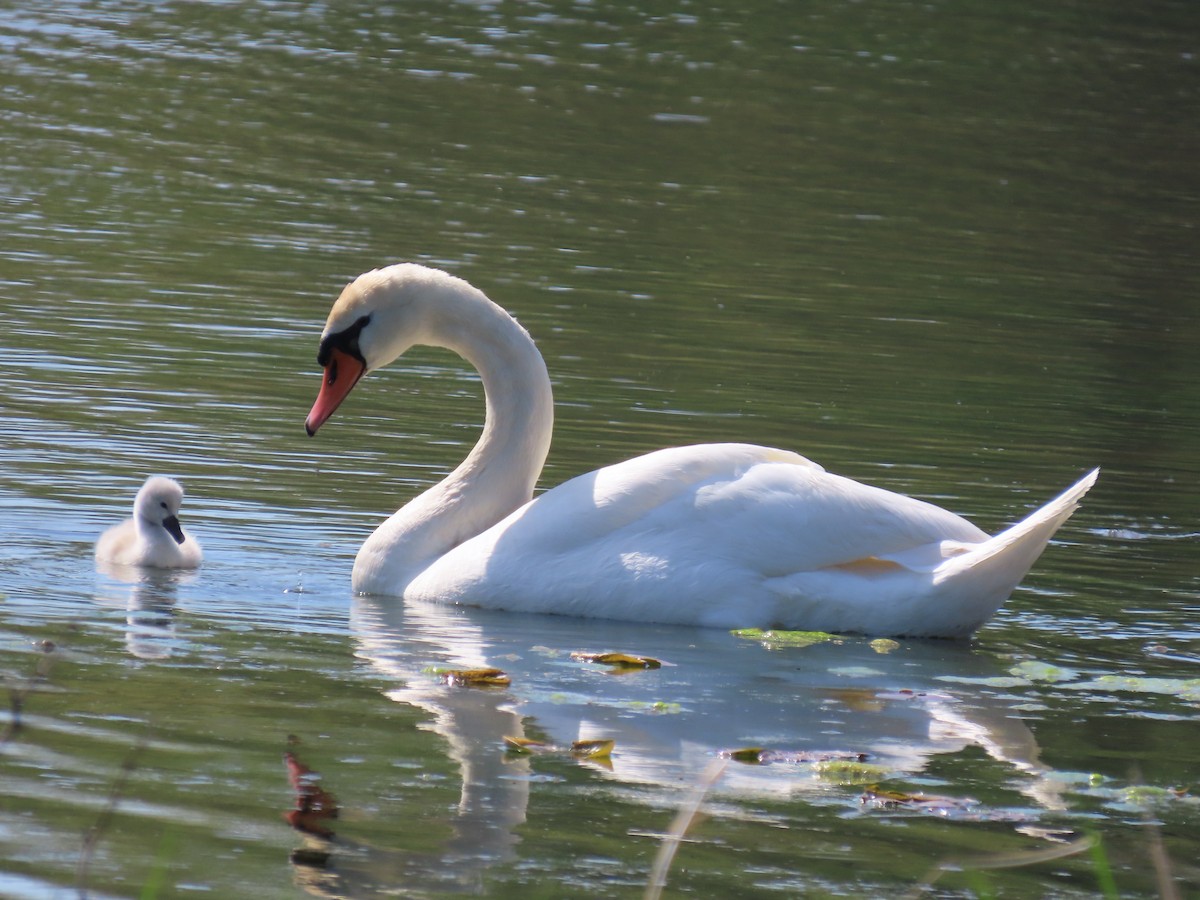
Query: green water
[943, 248]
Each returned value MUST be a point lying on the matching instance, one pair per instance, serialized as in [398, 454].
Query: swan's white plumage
[153, 537]
[729, 535]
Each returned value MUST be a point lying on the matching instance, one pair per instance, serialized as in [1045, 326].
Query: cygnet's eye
[163, 504]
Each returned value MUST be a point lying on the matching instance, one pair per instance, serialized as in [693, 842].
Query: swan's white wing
[682, 530]
[118, 544]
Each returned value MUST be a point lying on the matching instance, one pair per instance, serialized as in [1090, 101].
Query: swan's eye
[345, 340]
[163, 504]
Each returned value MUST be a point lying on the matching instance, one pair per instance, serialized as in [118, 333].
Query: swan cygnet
[721, 535]
[153, 537]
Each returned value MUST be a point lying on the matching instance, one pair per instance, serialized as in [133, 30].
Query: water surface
[951, 252]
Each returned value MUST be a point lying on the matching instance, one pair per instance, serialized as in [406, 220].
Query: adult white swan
[153, 537]
[727, 535]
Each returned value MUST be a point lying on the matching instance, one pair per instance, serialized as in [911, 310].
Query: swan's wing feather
[779, 519]
[761, 510]
[118, 543]
[654, 492]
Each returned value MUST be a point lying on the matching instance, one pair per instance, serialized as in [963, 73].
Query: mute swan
[721, 535]
[153, 537]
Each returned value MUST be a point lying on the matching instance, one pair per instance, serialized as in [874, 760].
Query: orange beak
[341, 375]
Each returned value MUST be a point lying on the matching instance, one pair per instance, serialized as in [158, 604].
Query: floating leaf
[597, 749]
[1182, 688]
[745, 754]
[838, 767]
[884, 645]
[620, 660]
[1040, 671]
[850, 771]
[666, 707]
[1146, 794]
[600, 748]
[474, 677]
[773, 639]
[882, 798]
[660, 707]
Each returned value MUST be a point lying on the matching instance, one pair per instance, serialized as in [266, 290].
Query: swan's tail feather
[1011, 553]
[1041, 525]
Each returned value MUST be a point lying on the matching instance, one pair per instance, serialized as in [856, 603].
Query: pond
[951, 252]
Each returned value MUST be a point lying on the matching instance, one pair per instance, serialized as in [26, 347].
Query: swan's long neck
[499, 473]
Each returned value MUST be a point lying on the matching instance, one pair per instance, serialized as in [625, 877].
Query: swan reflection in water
[715, 692]
[148, 596]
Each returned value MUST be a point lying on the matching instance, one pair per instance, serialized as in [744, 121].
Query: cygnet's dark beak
[171, 523]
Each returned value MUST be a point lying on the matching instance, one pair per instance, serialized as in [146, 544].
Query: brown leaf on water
[474, 677]
[619, 660]
[882, 798]
[314, 804]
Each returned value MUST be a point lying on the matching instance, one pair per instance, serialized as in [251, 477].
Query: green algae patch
[772, 638]
[1034, 670]
[1182, 688]
[850, 771]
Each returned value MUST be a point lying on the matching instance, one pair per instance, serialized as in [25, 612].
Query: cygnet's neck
[499, 473]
